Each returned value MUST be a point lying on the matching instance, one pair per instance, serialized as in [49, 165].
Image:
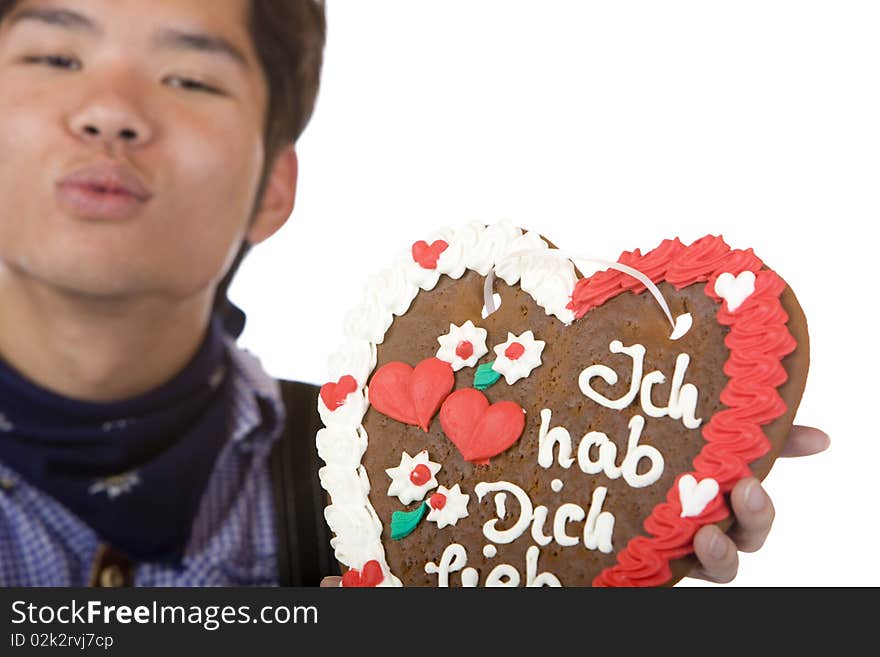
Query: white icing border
[548, 279]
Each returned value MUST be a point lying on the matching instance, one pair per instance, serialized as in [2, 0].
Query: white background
[605, 127]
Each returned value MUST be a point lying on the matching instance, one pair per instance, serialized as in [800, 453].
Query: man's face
[107, 87]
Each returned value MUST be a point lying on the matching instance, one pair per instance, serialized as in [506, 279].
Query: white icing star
[413, 477]
[463, 346]
[448, 506]
[518, 356]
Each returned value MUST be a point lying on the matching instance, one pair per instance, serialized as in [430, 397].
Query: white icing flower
[413, 477]
[448, 506]
[517, 357]
[463, 346]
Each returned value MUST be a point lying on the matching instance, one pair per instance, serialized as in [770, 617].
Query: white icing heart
[735, 290]
[695, 497]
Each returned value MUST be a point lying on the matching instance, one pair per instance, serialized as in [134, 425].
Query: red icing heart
[427, 255]
[334, 394]
[480, 431]
[370, 576]
[408, 395]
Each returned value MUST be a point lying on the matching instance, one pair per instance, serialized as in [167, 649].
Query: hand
[753, 513]
[330, 582]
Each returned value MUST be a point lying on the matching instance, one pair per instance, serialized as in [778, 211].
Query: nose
[110, 119]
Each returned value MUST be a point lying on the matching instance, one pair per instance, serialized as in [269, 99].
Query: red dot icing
[420, 475]
[464, 350]
[437, 501]
[514, 351]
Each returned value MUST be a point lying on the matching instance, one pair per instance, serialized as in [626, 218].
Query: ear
[278, 200]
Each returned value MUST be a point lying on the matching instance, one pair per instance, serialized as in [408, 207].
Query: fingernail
[718, 545]
[756, 498]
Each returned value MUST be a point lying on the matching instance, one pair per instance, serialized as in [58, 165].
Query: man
[146, 145]
[143, 143]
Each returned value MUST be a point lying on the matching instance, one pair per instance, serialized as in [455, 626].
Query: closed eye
[69, 63]
[188, 83]
[55, 61]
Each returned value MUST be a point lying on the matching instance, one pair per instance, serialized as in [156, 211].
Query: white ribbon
[680, 326]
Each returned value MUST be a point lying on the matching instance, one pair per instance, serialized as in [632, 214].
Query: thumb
[331, 582]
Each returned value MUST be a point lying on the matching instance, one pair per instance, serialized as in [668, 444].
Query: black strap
[304, 553]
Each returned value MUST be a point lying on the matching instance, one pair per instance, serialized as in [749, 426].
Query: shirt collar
[257, 396]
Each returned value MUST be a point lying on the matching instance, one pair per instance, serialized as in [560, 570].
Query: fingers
[804, 441]
[717, 553]
[754, 514]
[329, 582]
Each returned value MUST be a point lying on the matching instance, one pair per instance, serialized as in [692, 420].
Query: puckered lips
[104, 189]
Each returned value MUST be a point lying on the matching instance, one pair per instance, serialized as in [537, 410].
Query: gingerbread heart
[646, 391]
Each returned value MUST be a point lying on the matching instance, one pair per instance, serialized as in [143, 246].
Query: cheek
[27, 131]
[26, 171]
[31, 105]
[210, 187]
[217, 170]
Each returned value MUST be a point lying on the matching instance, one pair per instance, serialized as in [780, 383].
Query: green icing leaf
[403, 523]
[486, 376]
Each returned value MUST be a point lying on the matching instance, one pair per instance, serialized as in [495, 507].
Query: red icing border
[758, 340]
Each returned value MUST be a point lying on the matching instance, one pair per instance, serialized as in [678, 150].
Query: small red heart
[370, 576]
[334, 394]
[427, 255]
[411, 396]
[480, 431]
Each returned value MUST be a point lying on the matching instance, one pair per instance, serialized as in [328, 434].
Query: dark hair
[288, 37]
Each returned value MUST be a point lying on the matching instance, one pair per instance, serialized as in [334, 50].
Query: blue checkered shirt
[233, 536]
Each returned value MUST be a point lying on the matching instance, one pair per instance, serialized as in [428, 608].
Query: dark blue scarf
[133, 470]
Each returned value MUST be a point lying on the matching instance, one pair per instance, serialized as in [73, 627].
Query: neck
[97, 349]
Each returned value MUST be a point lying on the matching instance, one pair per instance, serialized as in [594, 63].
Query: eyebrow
[167, 38]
